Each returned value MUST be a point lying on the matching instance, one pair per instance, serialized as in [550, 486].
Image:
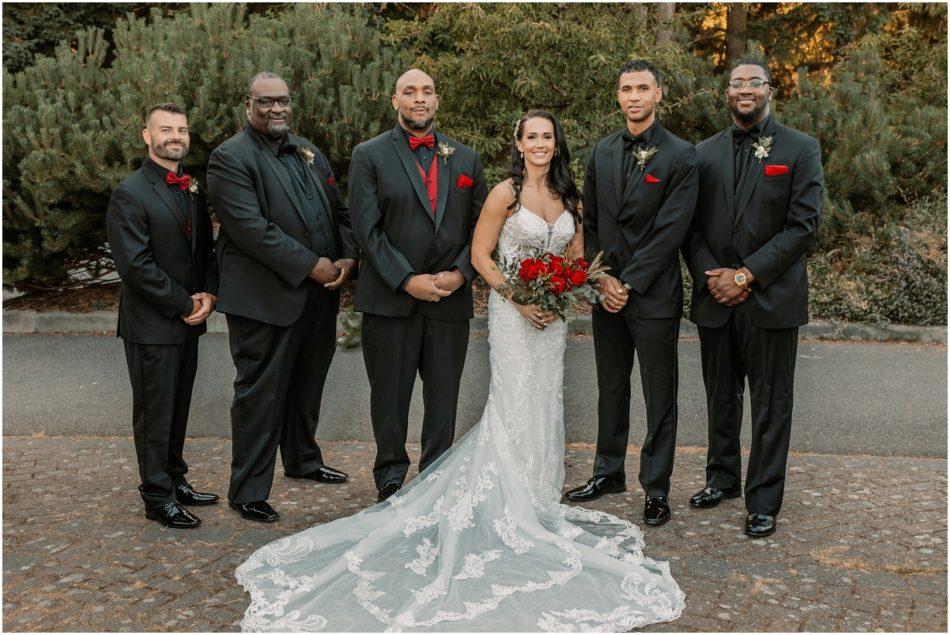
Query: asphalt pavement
[887, 399]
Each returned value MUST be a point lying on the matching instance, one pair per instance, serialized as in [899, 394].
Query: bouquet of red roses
[553, 283]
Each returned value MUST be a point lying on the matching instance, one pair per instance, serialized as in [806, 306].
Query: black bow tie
[738, 134]
[630, 140]
[287, 148]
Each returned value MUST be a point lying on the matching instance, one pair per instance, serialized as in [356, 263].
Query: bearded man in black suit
[284, 250]
[160, 235]
[415, 195]
[761, 192]
[639, 196]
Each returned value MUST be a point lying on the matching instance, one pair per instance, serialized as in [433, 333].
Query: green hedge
[72, 121]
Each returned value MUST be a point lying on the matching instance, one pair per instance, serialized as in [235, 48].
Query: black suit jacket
[768, 226]
[640, 227]
[397, 233]
[159, 267]
[263, 252]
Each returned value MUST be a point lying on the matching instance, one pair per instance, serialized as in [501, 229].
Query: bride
[479, 541]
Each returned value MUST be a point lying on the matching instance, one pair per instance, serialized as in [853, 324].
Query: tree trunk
[735, 32]
[666, 11]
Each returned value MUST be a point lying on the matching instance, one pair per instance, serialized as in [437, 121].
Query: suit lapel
[412, 168]
[193, 218]
[637, 175]
[284, 179]
[727, 162]
[318, 182]
[163, 193]
[752, 179]
[444, 178]
[615, 151]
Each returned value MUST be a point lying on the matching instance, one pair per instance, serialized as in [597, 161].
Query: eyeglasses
[266, 103]
[753, 83]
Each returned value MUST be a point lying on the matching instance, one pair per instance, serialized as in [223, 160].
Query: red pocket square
[464, 182]
[330, 181]
[775, 170]
[649, 178]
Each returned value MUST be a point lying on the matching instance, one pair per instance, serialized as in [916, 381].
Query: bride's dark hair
[560, 178]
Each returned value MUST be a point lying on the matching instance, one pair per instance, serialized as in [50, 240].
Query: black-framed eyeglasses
[738, 84]
[267, 103]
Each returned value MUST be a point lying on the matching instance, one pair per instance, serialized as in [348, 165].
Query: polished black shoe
[388, 490]
[173, 515]
[323, 475]
[260, 511]
[597, 487]
[656, 511]
[710, 497]
[759, 525]
[186, 495]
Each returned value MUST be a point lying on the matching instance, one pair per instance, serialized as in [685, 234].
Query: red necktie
[184, 181]
[427, 141]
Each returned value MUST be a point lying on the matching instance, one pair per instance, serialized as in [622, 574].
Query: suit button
[735, 230]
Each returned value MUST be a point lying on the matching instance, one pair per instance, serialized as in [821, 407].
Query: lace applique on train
[480, 541]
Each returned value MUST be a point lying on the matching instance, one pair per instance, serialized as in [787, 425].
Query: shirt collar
[270, 142]
[158, 170]
[755, 130]
[644, 137]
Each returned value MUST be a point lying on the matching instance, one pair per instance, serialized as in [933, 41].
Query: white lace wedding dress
[479, 541]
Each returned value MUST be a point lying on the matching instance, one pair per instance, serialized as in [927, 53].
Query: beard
[172, 154]
[644, 114]
[749, 118]
[411, 124]
[277, 130]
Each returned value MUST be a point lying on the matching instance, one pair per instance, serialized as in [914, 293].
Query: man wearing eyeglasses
[760, 197]
[284, 249]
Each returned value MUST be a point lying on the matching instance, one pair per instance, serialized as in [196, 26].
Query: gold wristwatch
[741, 279]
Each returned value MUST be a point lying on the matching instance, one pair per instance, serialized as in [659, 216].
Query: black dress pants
[277, 393]
[394, 350]
[731, 353]
[162, 378]
[617, 337]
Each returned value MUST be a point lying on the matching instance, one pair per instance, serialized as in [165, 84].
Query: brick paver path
[861, 543]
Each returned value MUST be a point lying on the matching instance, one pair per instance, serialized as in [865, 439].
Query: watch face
[740, 278]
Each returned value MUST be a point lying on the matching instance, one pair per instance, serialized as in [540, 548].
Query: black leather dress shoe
[388, 490]
[759, 525]
[173, 515]
[186, 495]
[656, 511]
[710, 497]
[256, 510]
[597, 487]
[323, 475]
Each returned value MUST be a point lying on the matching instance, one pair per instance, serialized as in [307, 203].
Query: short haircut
[752, 61]
[167, 107]
[632, 66]
[260, 76]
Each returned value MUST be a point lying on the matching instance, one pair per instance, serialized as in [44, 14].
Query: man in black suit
[639, 196]
[761, 188]
[160, 236]
[284, 250]
[415, 195]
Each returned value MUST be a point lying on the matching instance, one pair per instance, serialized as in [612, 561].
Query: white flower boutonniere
[762, 147]
[643, 156]
[306, 154]
[193, 186]
[445, 151]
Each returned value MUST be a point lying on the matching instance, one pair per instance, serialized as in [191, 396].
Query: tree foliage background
[868, 80]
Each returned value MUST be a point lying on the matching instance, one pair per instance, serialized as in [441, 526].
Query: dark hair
[560, 178]
[168, 107]
[632, 66]
[752, 61]
[258, 77]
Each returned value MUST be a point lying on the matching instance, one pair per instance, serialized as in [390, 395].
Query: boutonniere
[306, 154]
[762, 147]
[445, 151]
[643, 156]
[193, 186]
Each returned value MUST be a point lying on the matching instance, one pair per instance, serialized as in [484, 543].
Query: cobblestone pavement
[861, 544]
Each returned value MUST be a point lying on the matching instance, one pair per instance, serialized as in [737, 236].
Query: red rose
[578, 278]
[581, 263]
[557, 285]
[528, 270]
